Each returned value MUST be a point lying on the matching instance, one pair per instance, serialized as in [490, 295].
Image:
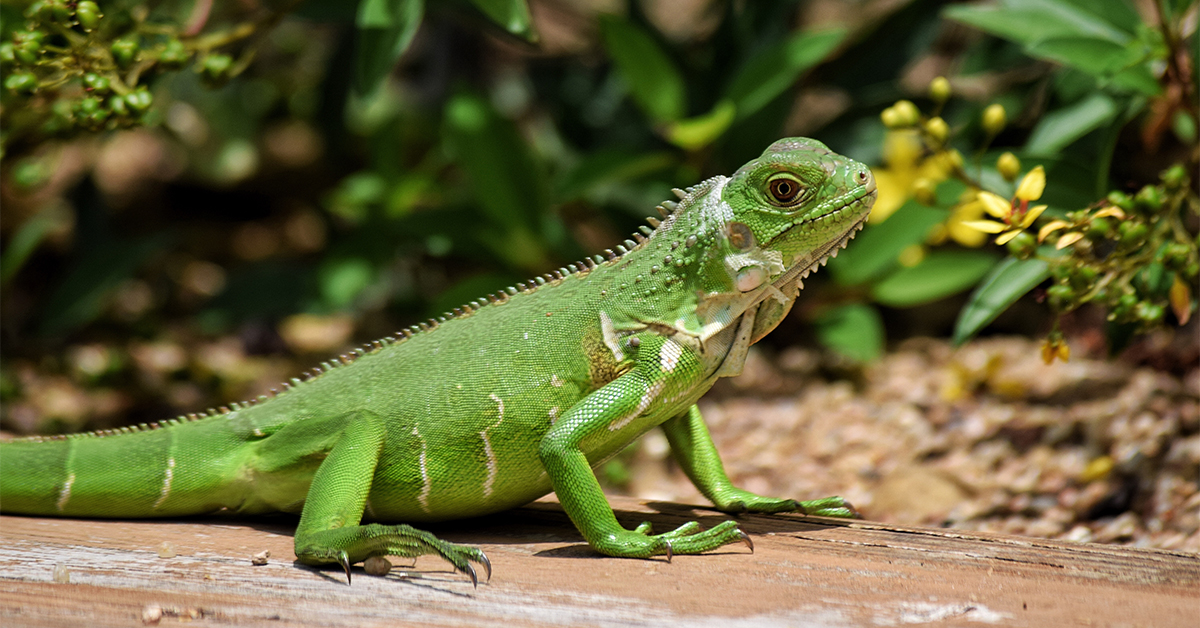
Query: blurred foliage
[199, 198]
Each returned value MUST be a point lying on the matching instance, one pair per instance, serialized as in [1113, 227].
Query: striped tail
[135, 473]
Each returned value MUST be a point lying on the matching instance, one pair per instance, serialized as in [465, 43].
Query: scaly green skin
[504, 400]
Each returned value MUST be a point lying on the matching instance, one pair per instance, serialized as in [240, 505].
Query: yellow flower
[905, 167]
[1032, 185]
[1016, 215]
[959, 230]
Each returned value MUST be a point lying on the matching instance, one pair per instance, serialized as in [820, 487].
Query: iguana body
[501, 402]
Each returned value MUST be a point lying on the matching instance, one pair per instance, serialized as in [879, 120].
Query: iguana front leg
[697, 455]
[330, 530]
[614, 407]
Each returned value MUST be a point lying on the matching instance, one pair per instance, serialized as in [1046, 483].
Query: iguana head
[799, 200]
[732, 242]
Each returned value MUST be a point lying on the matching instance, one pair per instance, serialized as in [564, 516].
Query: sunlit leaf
[700, 131]
[1061, 127]
[1025, 21]
[511, 15]
[1006, 283]
[941, 274]
[876, 249]
[24, 242]
[385, 29]
[772, 70]
[654, 81]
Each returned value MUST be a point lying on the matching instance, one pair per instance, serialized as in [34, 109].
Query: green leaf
[507, 183]
[84, 291]
[854, 330]
[25, 241]
[1006, 283]
[774, 69]
[511, 15]
[1094, 56]
[504, 177]
[698, 132]
[1061, 127]
[1029, 21]
[385, 29]
[607, 167]
[1119, 13]
[940, 274]
[875, 249]
[654, 82]
[341, 280]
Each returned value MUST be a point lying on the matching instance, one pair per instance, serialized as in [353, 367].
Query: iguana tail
[123, 473]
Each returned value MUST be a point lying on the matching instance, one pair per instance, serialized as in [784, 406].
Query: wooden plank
[803, 572]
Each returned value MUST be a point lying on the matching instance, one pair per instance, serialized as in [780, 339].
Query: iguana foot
[353, 544]
[688, 538]
[830, 507]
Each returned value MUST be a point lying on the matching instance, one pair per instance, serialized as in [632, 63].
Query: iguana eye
[784, 189]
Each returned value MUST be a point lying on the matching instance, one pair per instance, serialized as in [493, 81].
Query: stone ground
[984, 437]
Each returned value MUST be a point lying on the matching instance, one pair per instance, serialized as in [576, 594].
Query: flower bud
[994, 119]
[1009, 166]
[906, 112]
[938, 130]
[939, 90]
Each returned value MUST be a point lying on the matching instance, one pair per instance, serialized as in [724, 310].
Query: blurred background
[202, 199]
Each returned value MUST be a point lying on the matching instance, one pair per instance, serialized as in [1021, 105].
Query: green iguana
[501, 401]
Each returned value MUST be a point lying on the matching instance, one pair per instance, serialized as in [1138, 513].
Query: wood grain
[803, 572]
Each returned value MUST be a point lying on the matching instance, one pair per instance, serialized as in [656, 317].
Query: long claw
[344, 561]
[670, 552]
[471, 572]
[486, 563]
[746, 539]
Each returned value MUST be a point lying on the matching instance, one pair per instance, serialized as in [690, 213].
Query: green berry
[124, 51]
[216, 66]
[1022, 245]
[1099, 228]
[88, 13]
[1148, 198]
[1148, 312]
[8, 52]
[96, 82]
[20, 82]
[1133, 232]
[1083, 277]
[174, 54]
[1059, 295]
[139, 99]
[1175, 177]
[88, 105]
[117, 105]
[1120, 199]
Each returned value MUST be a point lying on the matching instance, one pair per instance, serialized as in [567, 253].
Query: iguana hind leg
[697, 455]
[330, 529]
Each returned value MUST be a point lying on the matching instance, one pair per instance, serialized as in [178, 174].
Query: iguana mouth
[819, 257]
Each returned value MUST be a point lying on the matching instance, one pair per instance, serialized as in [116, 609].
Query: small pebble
[377, 566]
